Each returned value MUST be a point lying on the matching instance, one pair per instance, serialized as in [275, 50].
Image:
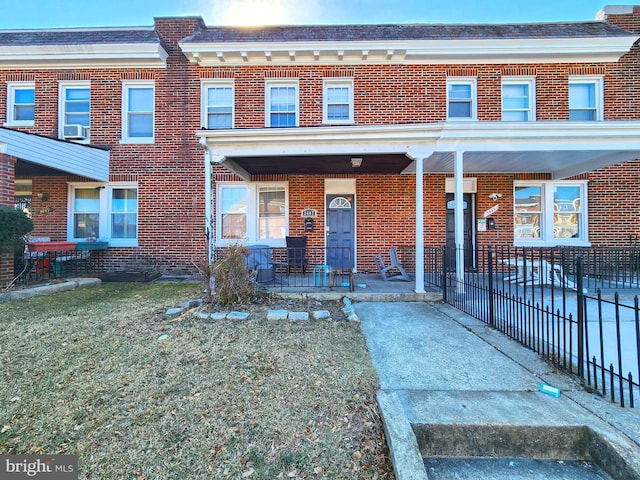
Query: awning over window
[39, 155]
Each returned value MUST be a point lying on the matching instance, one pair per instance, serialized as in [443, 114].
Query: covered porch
[25, 158]
[557, 150]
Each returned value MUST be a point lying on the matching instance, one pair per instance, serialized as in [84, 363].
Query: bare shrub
[234, 282]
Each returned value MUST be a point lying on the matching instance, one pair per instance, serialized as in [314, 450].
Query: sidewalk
[452, 387]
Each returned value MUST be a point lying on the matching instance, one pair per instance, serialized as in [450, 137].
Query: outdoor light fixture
[43, 196]
[495, 196]
[356, 162]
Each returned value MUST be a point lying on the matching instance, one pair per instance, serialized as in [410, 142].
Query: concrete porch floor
[367, 288]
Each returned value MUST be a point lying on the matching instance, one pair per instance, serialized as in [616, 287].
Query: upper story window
[550, 213]
[138, 112]
[252, 212]
[282, 104]
[338, 101]
[461, 99]
[217, 105]
[75, 108]
[518, 99]
[21, 99]
[585, 99]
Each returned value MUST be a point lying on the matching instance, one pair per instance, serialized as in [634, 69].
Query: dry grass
[90, 372]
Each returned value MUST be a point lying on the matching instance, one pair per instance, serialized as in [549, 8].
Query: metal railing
[283, 268]
[36, 267]
[578, 308]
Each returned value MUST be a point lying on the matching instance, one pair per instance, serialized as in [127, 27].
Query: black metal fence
[576, 307]
[297, 268]
[31, 267]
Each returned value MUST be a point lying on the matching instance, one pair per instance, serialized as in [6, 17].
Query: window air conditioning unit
[74, 132]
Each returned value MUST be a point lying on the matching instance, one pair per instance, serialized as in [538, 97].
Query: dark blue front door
[340, 231]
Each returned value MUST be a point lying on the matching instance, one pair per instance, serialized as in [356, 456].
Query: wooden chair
[341, 265]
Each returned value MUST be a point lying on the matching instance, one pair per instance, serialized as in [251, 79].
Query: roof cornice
[132, 55]
[473, 51]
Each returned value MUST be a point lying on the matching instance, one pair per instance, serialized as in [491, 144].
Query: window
[75, 107]
[518, 104]
[233, 212]
[217, 105]
[106, 212]
[585, 99]
[124, 213]
[282, 104]
[338, 101]
[252, 212]
[272, 220]
[461, 99]
[550, 213]
[138, 108]
[21, 99]
[86, 213]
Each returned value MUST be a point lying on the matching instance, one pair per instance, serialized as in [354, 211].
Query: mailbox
[308, 224]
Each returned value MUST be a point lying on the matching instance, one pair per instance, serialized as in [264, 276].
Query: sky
[25, 14]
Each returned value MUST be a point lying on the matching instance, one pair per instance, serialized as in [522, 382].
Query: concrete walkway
[450, 387]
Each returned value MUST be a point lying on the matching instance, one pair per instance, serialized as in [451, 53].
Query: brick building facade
[183, 118]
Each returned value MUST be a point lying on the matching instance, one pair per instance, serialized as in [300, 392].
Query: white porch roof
[46, 154]
[562, 149]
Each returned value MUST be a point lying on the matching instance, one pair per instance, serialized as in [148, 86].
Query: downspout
[208, 199]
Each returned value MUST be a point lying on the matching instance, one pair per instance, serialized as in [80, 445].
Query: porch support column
[458, 195]
[418, 157]
[7, 192]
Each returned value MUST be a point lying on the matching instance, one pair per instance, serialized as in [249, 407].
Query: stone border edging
[69, 284]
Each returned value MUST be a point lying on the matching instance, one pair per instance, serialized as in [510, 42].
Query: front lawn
[105, 374]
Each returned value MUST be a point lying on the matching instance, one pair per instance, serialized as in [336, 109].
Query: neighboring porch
[25, 156]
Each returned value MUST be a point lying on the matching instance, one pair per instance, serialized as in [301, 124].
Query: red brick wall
[614, 212]
[7, 177]
[630, 22]
[170, 172]
[391, 94]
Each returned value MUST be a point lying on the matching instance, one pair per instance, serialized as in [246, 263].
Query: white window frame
[253, 209]
[286, 84]
[598, 83]
[473, 83]
[547, 214]
[337, 83]
[530, 82]
[106, 194]
[126, 87]
[62, 88]
[206, 85]
[12, 87]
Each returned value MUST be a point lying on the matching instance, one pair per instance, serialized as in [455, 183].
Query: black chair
[297, 253]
